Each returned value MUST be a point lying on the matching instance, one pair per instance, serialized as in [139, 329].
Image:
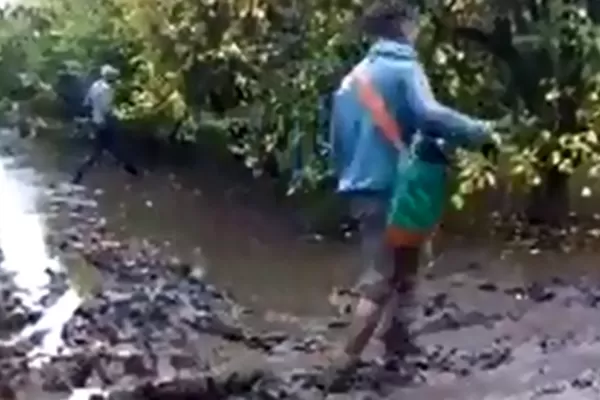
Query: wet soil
[132, 315]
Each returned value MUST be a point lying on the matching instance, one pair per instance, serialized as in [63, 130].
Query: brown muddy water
[246, 245]
[249, 248]
[247, 242]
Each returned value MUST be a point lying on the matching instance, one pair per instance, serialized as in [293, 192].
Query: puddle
[245, 249]
[26, 256]
[50, 326]
[22, 234]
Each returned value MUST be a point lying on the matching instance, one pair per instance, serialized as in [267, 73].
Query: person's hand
[498, 129]
[490, 151]
[503, 125]
[494, 129]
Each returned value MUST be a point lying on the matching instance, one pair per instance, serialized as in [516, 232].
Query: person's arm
[434, 118]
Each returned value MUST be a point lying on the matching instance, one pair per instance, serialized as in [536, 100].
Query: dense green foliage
[257, 68]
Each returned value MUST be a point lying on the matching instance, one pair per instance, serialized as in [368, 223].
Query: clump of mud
[14, 315]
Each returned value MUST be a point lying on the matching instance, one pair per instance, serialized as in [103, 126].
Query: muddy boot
[337, 376]
[398, 340]
[395, 331]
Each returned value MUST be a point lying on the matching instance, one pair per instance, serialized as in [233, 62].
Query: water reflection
[244, 247]
[26, 256]
[22, 233]
[50, 326]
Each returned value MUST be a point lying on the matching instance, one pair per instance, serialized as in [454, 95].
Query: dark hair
[381, 18]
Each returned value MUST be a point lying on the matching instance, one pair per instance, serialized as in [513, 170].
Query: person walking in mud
[105, 124]
[385, 120]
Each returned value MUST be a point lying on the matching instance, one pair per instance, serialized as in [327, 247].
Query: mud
[134, 319]
[151, 327]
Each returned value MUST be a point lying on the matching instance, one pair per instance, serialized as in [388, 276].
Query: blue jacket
[365, 161]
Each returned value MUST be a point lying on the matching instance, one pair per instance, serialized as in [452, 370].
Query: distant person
[384, 112]
[99, 100]
[70, 88]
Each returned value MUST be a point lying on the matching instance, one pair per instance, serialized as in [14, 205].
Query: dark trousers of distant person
[105, 140]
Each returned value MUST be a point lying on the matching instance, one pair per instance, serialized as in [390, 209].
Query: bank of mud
[149, 326]
[144, 322]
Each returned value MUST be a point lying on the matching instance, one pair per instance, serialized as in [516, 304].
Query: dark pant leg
[395, 334]
[375, 285]
[390, 274]
[97, 150]
[376, 280]
[109, 135]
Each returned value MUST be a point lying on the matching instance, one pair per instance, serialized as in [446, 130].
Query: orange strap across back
[385, 121]
[374, 102]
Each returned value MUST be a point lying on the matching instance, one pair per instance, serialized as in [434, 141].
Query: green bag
[419, 196]
[420, 189]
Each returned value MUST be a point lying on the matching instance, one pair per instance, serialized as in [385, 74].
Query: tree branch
[593, 7]
[499, 43]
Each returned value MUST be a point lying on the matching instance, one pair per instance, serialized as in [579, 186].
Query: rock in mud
[13, 371]
[540, 294]
[488, 287]
[493, 358]
[338, 323]
[535, 292]
[584, 381]
[14, 316]
[552, 389]
[436, 304]
[66, 372]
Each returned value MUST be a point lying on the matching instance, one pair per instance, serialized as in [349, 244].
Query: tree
[257, 69]
[546, 52]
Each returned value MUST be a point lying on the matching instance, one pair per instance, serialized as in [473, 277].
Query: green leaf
[458, 201]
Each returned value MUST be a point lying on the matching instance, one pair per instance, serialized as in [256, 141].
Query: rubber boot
[395, 330]
[338, 374]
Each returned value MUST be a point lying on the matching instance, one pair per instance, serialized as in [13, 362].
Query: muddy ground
[141, 322]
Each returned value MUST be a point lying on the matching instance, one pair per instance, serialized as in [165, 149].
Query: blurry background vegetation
[247, 76]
